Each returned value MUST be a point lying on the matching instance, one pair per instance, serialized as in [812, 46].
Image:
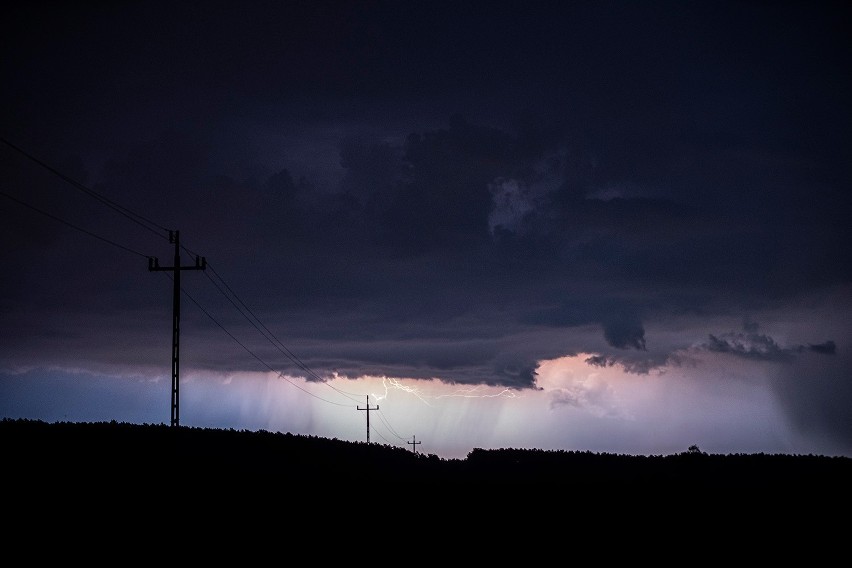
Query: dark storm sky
[436, 189]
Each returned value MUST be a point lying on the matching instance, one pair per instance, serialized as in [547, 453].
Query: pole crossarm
[368, 409]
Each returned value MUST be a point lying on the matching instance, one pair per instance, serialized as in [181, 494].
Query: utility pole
[414, 444]
[153, 266]
[368, 409]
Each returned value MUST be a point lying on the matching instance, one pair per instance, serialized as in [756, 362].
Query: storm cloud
[442, 193]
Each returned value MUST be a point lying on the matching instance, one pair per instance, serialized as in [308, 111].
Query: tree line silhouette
[79, 453]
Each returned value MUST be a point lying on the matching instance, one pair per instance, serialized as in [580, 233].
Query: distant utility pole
[368, 409]
[414, 444]
[153, 266]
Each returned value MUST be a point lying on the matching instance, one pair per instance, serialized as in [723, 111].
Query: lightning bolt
[461, 392]
[470, 392]
[389, 382]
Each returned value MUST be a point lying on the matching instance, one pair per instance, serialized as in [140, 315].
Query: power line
[289, 353]
[265, 332]
[73, 226]
[142, 220]
[150, 226]
[269, 335]
[389, 427]
[250, 352]
[298, 361]
[133, 216]
[382, 437]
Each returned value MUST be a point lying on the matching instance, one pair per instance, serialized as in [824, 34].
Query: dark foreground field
[128, 486]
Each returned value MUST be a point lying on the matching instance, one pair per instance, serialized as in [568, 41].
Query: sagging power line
[72, 225]
[174, 273]
[128, 213]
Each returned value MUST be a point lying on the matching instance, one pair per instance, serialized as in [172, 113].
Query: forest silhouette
[78, 453]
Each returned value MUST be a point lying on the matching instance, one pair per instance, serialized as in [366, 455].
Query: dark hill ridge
[80, 452]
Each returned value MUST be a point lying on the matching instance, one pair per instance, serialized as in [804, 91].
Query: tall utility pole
[414, 443]
[153, 266]
[368, 409]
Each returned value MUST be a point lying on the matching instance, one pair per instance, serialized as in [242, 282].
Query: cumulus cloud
[593, 394]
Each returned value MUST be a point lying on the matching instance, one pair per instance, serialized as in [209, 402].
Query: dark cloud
[408, 244]
[625, 332]
[749, 346]
[634, 364]
[621, 330]
[753, 345]
[437, 193]
[600, 361]
[827, 348]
